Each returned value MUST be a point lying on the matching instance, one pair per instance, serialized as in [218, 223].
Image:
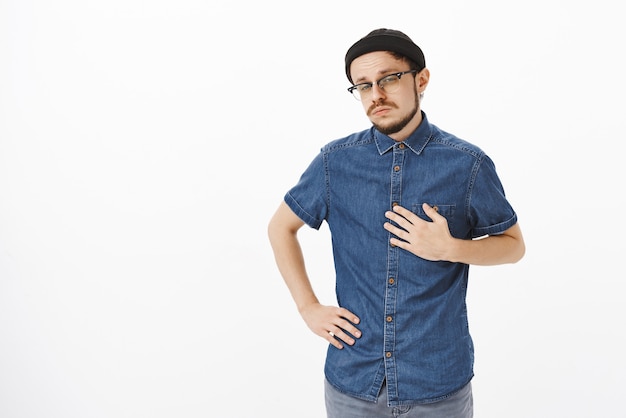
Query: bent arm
[282, 232]
[433, 241]
[504, 248]
[334, 324]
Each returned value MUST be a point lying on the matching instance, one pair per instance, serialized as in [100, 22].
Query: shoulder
[356, 139]
[444, 139]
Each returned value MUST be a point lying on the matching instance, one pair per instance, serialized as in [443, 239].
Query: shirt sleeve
[308, 198]
[490, 212]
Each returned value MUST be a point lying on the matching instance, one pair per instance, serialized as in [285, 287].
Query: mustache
[380, 103]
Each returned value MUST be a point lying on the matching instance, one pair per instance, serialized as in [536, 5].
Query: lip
[380, 111]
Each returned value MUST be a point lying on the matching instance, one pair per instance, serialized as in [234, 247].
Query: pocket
[447, 211]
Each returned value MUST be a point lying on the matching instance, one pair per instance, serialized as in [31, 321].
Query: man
[409, 207]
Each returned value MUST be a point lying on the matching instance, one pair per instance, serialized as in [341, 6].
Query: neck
[410, 127]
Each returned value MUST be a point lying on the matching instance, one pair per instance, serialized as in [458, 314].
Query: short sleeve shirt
[413, 313]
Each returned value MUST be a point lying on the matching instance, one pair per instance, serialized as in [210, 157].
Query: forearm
[290, 261]
[492, 250]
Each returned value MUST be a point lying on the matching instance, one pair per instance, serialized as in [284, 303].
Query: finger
[431, 212]
[398, 232]
[406, 218]
[345, 337]
[347, 333]
[400, 243]
[349, 316]
[399, 220]
[347, 328]
[404, 212]
[331, 338]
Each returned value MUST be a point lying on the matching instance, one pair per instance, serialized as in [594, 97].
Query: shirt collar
[416, 142]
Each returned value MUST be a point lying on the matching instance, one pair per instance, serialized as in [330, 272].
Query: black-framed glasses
[389, 84]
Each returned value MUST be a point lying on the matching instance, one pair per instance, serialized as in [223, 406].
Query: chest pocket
[447, 211]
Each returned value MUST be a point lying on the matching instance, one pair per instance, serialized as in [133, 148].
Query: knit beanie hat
[385, 40]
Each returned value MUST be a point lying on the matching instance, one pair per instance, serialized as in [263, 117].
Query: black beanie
[385, 40]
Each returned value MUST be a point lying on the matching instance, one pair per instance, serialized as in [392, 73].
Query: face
[395, 114]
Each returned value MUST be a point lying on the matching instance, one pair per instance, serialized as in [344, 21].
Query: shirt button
[392, 280]
[401, 146]
[388, 354]
[389, 319]
[396, 168]
[394, 204]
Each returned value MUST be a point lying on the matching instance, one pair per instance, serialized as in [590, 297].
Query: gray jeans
[339, 405]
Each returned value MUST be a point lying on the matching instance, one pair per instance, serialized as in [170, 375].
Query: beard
[399, 125]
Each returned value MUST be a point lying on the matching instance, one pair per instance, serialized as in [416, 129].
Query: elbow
[271, 230]
[518, 253]
[516, 247]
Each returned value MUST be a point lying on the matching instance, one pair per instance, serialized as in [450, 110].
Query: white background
[144, 145]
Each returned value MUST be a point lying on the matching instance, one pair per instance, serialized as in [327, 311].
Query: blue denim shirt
[413, 314]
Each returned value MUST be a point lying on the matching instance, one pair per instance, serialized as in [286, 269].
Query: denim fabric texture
[414, 324]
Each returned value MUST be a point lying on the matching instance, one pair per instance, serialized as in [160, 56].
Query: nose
[377, 93]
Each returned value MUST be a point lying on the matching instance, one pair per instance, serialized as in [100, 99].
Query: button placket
[391, 293]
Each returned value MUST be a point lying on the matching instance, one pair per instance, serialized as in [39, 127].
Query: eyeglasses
[389, 84]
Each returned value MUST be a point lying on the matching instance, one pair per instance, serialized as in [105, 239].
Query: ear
[421, 80]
